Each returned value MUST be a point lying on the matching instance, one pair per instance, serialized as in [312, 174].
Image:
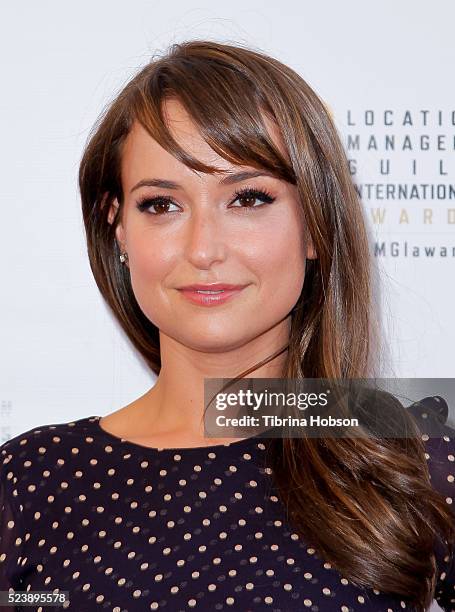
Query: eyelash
[247, 192]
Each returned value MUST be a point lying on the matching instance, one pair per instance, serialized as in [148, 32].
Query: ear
[119, 231]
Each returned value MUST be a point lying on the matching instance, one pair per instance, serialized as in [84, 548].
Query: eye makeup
[246, 193]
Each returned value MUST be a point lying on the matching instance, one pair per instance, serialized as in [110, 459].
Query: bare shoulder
[125, 422]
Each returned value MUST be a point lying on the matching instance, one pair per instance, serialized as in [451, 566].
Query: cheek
[150, 250]
[281, 263]
[150, 261]
[148, 264]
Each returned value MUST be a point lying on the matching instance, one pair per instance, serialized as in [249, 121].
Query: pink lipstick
[212, 294]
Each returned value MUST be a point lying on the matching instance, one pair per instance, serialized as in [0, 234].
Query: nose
[205, 243]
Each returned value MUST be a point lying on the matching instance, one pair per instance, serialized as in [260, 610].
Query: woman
[218, 166]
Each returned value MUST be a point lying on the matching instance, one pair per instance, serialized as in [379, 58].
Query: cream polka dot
[128, 526]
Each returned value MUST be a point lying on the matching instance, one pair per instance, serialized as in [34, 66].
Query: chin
[208, 342]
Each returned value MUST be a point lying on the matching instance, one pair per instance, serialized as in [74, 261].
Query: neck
[176, 402]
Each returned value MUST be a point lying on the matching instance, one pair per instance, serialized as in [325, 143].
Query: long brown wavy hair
[365, 504]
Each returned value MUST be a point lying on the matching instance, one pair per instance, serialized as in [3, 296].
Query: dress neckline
[236, 445]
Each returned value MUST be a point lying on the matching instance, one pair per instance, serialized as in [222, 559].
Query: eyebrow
[229, 179]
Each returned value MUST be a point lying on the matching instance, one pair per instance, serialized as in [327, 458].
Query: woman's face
[204, 233]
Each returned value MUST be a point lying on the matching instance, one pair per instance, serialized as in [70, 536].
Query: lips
[210, 295]
[211, 287]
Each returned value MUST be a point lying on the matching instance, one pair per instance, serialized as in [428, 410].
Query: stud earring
[123, 257]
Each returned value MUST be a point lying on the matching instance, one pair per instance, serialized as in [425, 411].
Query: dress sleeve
[431, 414]
[10, 534]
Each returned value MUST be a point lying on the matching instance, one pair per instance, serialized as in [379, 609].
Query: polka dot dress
[123, 527]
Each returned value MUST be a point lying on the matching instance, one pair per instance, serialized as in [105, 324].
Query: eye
[160, 202]
[250, 194]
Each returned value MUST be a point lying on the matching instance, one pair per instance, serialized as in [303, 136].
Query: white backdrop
[63, 356]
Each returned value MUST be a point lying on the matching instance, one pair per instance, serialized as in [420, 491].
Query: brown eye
[160, 205]
[249, 196]
[248, 199]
